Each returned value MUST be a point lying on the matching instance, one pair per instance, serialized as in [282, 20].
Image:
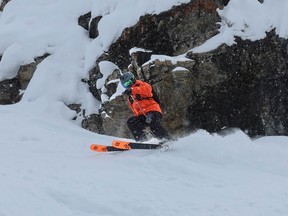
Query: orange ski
[102, 148]
[121, 144]
[118, 145]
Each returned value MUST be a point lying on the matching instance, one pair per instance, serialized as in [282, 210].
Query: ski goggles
[128, 83]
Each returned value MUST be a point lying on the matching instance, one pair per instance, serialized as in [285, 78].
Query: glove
[149, 118]
[128, 91]
[138, 97]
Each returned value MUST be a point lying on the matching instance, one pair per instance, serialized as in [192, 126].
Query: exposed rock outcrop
[84, 20]
[241, 86]
[247, 89]
[93, 30]
[169, 33]
[90, 24]
[93, 123]
[9, 91]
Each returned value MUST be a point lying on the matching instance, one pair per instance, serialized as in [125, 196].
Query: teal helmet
[127, 79]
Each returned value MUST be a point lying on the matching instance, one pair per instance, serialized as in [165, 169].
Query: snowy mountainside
[46, 166]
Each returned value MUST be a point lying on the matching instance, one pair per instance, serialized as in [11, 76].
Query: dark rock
[9, 91]
[138, 59]
[225, 2]
[94, 75]
[93, 123]
[75, 107]
[93, 30]
[25, 74]
[84, 20]
[248, 89]
[112, 83]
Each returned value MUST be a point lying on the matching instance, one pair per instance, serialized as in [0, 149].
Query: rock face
[248, 87]
[241, 86]
[170, 33]
[93, 123]
[172, 83]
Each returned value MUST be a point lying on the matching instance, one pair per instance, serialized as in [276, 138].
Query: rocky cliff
[242, 86]
[248, 88]
[239, 86]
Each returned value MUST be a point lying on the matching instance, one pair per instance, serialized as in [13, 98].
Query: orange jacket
[147, 103]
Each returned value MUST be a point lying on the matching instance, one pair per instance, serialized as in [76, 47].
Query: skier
[147, 111]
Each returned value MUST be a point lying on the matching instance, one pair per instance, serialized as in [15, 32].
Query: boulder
[93, 30]
[84, 20]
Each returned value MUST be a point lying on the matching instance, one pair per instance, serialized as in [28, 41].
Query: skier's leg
[156, 127]
[137, 124]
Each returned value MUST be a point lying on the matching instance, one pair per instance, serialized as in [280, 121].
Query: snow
[47, 169]
[9, 65]
[177, 69]
[46, 165]
[173, 59]
[137, 49]
[106, 68]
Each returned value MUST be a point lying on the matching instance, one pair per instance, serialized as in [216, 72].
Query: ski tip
[121, 144]
[98, 148]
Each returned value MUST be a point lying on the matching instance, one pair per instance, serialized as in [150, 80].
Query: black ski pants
[137, 124]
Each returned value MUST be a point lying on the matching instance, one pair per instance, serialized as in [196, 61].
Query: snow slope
[46, 167]
[31, 28]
